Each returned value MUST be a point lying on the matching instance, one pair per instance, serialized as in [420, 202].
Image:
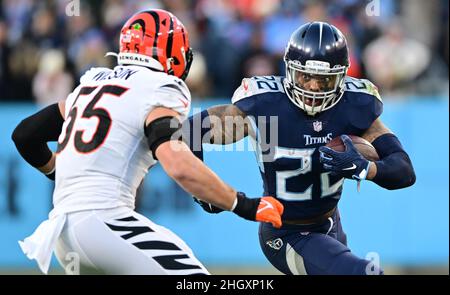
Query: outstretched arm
[223, 124]
[228, 124]
[162, 128]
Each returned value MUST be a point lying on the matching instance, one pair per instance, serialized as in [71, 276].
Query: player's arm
[163, 133]
[228, 124]
[222, 124]
[376, 130]
[33, 133]
[394, 170]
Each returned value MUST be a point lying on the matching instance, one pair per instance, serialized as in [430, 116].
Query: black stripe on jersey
[134, 230]
[170, 262]
[155, 42]
[156, 245]
[178, 88]
[170, 39]
[129, 218]
[171, 86]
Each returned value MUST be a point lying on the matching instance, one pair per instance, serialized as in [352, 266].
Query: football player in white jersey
[114, 126]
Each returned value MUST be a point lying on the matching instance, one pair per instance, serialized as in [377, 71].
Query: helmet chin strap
[112, 54]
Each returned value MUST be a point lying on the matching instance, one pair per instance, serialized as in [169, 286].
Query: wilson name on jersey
[102, 153]
[289, 164]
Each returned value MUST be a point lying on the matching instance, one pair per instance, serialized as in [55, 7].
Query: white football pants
[121, 241]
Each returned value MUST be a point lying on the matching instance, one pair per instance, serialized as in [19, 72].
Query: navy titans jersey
[287, 140]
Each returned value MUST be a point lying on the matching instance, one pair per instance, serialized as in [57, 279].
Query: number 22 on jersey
[304, 156]
[90, 111]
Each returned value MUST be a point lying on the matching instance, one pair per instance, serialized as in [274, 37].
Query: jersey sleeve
[245, 97]
[366, 103]
[256, 94]
[171, 94]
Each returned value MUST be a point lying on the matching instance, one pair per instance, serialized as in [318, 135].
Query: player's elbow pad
[162, 130]
[33, 133]
[394, 170]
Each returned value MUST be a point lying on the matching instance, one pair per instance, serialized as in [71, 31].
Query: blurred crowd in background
[403, 48]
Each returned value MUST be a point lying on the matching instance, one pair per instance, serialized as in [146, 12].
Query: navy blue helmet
[316, 61]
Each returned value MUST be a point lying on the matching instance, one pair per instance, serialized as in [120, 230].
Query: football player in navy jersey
[315, 102]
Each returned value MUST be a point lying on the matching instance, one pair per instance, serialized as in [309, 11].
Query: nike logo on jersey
[350, 168]
[268, 205]
[245, 85]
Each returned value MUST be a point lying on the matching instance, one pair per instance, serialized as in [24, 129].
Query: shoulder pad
[362, 86]
[257, 85]
[93, 72]
[176, 85]
[167, 92]
[364, 102]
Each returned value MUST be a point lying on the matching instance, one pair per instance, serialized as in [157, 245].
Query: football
[363, 146]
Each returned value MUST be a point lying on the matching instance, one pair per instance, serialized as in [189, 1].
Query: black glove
[208, 207]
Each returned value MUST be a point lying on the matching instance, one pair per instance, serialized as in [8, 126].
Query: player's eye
[306, 77]
[326, 80]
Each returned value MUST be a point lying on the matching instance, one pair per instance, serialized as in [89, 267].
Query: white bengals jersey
[102, 153]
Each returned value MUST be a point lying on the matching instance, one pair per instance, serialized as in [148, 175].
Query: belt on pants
[310, 221]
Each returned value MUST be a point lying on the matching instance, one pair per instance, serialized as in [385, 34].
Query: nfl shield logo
[317, 125]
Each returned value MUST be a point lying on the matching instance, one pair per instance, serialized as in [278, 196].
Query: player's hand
[265, 209]
[270, 210]
[208, 207]
[349, 163]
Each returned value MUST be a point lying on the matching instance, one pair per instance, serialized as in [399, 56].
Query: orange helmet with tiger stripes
[156, 39]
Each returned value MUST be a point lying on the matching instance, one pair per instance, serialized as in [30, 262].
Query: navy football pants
[322, 252]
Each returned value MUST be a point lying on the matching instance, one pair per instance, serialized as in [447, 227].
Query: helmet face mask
[314, 88]
[316, 61]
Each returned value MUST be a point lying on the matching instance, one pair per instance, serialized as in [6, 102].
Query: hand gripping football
[363, 146]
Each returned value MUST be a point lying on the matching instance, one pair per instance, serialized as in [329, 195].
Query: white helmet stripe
[321, 31]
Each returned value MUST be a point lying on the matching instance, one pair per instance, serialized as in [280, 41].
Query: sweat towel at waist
[41, 243]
